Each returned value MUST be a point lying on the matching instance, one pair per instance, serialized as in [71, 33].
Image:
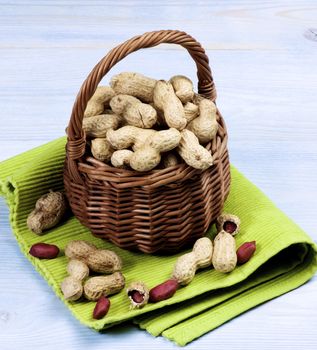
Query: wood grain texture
[264, 66]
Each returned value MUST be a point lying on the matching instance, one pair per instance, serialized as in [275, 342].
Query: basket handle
[206, 87]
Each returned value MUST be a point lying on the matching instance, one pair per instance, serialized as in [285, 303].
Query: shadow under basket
[162, 210]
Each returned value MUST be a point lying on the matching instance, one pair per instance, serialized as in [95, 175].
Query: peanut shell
[49, 210]
[104, 261]
[134, 84]
[224, 258]
[77, 269]
[72, 288]
[98, 286]
[79, 249]
[185, 268]
[143, 293]
[203, 250]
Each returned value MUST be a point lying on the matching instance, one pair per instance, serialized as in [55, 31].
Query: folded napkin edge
[247, 301]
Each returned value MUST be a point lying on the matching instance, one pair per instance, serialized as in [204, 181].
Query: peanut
[229, 223]
[97, 126]
[170, 159]
[77, 269]
[138, 294]
[128, 136]
[101, 149]
[134, 111]
[142, 136]
[49, 210]
[104, 261]
[121, 158]
[98, 286]
[183, 87]
[163, 291]
[245, 252]
[191, 111]
[192, 152]
[120, 102]
[148, 156]
[102, 307]
[187, 264]
[72, 286]
[134, 84]
[205, 126]
[98, 260]
[198, 98]
[44, 251]
[185, 268]
[165, 100]
[224, 258]
[79, 249]
[203, 250]
[99, 101]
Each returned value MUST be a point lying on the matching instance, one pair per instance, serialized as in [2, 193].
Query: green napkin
[284, 260]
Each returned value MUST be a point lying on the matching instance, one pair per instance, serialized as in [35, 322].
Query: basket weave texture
[160, 210]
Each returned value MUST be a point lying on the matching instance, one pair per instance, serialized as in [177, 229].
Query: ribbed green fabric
[285, 256]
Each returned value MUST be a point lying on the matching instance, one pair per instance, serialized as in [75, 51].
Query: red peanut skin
[245, 252]
[163, 291]
[102, 307]
[136, 296]
[44, 251]
[229, 226]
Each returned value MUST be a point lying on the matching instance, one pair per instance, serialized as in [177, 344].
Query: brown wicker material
[161, 210]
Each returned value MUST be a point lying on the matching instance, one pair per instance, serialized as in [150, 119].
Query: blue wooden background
[263, 55]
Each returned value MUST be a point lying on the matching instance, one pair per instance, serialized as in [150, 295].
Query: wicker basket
[161, 210]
